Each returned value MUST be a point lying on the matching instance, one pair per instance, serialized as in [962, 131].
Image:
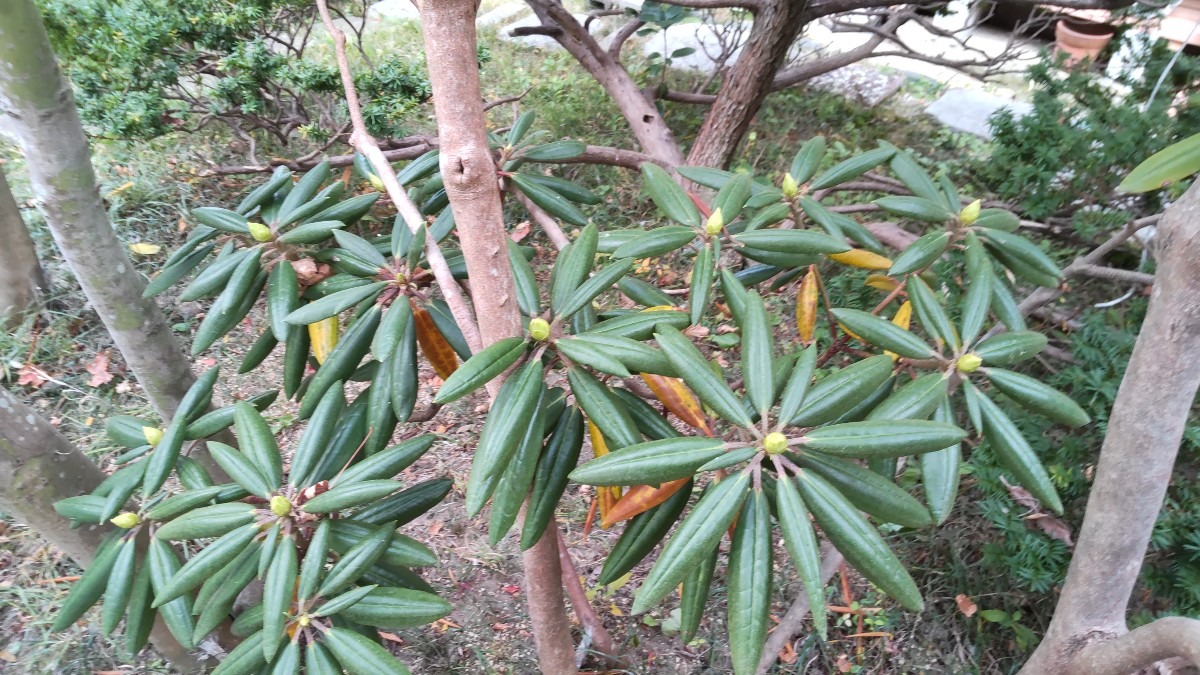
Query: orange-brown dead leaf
[966, 605]
[99, 369]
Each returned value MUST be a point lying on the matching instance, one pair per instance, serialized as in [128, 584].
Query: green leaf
[838, 393]
[604, 410]
[1173, 163]
[207, 521]
[801, 543]
[878, 496]
[90, 586]
[668, 196]
[333, 304]
[120, 583]
[700, 288]
[528, 297]
[920, 254]
[808, 159]
[930, 313]
[1038, 397]
[243, 470]
[939, 470]
[244, 659]
[862, 546]
[1012, 347]
[549, 200]
[512, 485]
[573, 265]
[1023, 250]
[502, 432]
[397, 608]
[177, 614]
[601, 281]
[355, 561]
[695, 371]
[638, 325]
[694, 539]
[749, 584]
[852, 168]
[278, 587]
[656, 242]
[258, 443]
[481, 368]
[1015, 454]
[550, 479]
[555, 151]
[793, 242]
[883, 333]
[757, 357]
[207, 562]
[221, 219]
[887, 438]
[359, 655]
[916, 208]
[651, 462]
[978, 296]
[589, 354]
[915, 179]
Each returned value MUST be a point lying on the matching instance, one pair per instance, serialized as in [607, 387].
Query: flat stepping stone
[501, 14]
[968, 110]
[393, 10]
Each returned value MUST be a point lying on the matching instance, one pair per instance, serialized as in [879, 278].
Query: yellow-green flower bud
[539, 329]
[775, 443]
[126, 520]
[969, 363]
[153, 435]
[259, 231]
[790, 187]
[377, 183]
[970, 213]
[280, 505]
[716, 223]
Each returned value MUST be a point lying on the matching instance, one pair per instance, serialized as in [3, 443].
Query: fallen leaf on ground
[99, 369]
[1022, 496]
[965, 605]
[31, 376]
[391, 637]
[521, 230]
[143, 248]
[1053, 526]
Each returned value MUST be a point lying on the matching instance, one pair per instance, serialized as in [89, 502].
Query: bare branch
[621, 36]
[602, 642]
[544, 220]
[793, 621]
[362, 140]
[751, 5]
[1161, 639]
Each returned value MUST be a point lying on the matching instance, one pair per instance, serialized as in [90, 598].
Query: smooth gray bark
[1136, 460]
[34, 94]
[21, 277]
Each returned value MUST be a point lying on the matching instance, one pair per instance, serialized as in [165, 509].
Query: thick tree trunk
[39, 101]
[39, 466]
[1136, 461]
[21, 277]
[776, 25]
[471, 184]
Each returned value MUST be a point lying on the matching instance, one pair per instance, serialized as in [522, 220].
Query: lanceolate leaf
[852, 168]
[920, 254]
[883, 438]
[750, 583]
[656, 242]
[669, 197]
[694, 369]
[650, 463]
[838, 393]
[1011, 347]
[883, 333]
[573, 266]
[695, 538]
[603, 409]
[481, 369]
[333, 304]
[795, 242]
[502, 432]
[1175, 162]
[939, 470]
[554, 203]
[359, 655]
[930, 313]
[869, 491]
[1016, 455]
[977, 299]
[757, 359]
[1038, 397]
[858, 540]
[801, 543]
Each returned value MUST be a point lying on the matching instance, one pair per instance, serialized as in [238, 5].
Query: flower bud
[126, 520]
[969, 363]
[790, 187]
[280, 505]
[259, 231]
[539, 329]
[970, 213]
[153, 435]
[775, 443]
[716, 223]
[377, 182]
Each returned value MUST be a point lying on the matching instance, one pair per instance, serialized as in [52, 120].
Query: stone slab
[968, 110]
[859, 83]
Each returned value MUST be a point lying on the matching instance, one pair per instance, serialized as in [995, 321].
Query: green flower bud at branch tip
[259, 231]
[969, 363]
[126, 520]
[970, 213]
[153, 435]
[376, 182]
[790, 187]
[539, 329]
[280, 505]
[716, 223]
[775, 443]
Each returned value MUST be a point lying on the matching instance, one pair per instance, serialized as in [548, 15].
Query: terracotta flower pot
[1081, 40]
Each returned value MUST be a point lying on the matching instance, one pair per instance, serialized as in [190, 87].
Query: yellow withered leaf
[434, 345]
[324, 337]
[862, 259]
[806, 306]
[882, 282]
[678, 399]
[902, 319]
[142, 248]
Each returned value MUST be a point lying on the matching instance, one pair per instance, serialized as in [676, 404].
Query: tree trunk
[21, 277]
[471, 184]
[39, 101]
[39, 466]
[647, 125]
[777, 23]
[1088, 631]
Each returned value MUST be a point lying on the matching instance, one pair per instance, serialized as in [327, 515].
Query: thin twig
[362, 141]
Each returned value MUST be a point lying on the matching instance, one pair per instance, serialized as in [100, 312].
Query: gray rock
[700, 37]
[968, 110]
[859, 83]
[393, 10]
[534, 41]
[501, 14]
